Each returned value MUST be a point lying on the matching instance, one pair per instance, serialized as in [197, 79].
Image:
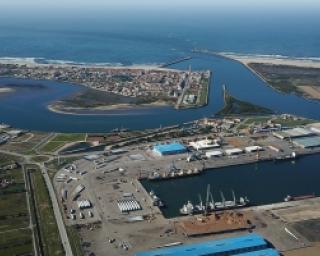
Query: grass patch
[203, 95]
[14, 212]
[70, 137]
[49, 233]
[60, 140]
[287, 79]
[75, 241]
[234, 106]
[292, 122]
[52, 146]
[16, 242]
[40, 159]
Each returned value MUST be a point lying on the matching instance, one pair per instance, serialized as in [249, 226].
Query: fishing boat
[211, 206]
[156, 201]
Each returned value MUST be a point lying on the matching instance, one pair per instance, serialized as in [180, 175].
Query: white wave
[270, 56]
[41, 60]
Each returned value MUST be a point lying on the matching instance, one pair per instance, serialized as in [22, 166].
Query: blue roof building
[266, 252]
[169, 149]
[230, 246]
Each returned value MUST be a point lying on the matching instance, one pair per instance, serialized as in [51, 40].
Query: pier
[176, 61]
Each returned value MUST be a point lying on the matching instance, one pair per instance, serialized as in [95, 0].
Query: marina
[210, 205]
[262, 183]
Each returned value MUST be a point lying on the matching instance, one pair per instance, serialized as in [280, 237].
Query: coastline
[31, 62]
[271, 59]
[248, 59]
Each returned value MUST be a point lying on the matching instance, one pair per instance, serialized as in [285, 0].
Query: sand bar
[273, 59]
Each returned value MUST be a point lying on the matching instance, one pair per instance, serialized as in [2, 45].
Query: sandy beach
[272, 59]
[31, 62]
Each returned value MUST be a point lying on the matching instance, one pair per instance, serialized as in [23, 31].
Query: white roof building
[204, 144]
[214, 153]
[253, 149]
[233, 151]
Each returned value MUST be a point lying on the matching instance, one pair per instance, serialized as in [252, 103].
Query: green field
[50, 238]
[15, 234]
[288, 79]
[13, 206]
[60, 140]
[6, 159]
[234, 106]
[203, 97]
[293, 123]
[16, 242]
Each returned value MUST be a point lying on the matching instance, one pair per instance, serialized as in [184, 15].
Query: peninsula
[117, 87]
[300, 76]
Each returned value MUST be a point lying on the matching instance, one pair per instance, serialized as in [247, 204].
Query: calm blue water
[143, 36]
[262, 183]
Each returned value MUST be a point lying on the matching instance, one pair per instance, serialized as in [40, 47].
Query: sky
[162, 3]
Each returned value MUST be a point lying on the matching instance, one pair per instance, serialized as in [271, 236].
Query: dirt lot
[309, 251]
[312, 91]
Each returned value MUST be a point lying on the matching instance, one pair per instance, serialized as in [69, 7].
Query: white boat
[187, 209]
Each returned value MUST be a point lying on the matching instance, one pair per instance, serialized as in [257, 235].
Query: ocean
[143, 36]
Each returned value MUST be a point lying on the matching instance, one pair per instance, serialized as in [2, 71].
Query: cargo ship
[289, 198]
[211, 206]
[173, 173]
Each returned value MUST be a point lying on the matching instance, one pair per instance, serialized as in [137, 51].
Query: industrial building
[315, 127]
[266, 252]
[214, 153]
[293, 133]
[169, 149]
[243, 245]
[233, 151]
[307, 142]
[204, 144]
[251, 149]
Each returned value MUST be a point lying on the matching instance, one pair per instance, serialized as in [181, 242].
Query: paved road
[57, 213]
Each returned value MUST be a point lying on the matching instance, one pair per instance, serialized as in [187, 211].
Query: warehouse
[266, 252]
[204, 144]
[230, 246]
[253, 149]
[315, 127]
[233, 151]
[293, 133]
[214, 153]
[169, 149]
[308, 142]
